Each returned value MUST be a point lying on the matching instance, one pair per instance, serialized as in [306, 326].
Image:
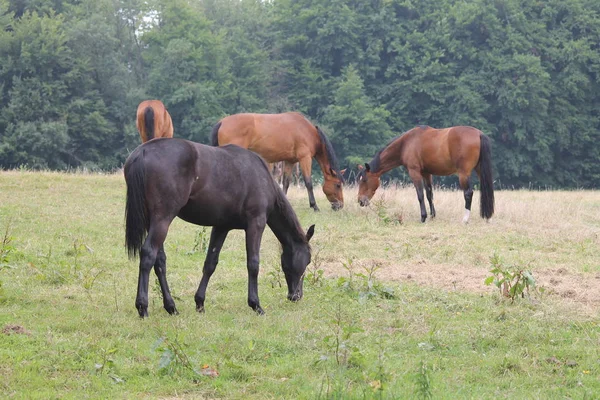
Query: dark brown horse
[426, 151]
[288, 137]
[226, 188]
[153, 120]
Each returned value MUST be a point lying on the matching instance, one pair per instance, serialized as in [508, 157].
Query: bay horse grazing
[426, 151]
[153, 120]
[223, 187]
[288, 137]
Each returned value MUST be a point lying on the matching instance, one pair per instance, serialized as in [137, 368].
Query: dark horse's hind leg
[148, 256]
[428, 179]
[305, 165]
[217, 238]
[254, 233]
[465, 184]
[417, 179]
[160, 268]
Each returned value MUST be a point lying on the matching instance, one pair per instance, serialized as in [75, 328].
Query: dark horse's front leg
[417, 179]
[217, 238]
[254, 233]
[148, 258]
[305, 166]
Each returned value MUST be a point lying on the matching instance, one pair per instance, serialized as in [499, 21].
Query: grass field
[392, 308]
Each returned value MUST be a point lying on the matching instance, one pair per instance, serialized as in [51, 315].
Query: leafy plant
[512, 281]
[339, 344]
[200, 241]
[423, 382]
[174, 358]
[314, 273]
[364, 285]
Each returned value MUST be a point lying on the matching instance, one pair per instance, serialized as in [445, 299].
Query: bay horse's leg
[217, 238]
[305, 167]
[254, 233]
[428, 179]
[148, 255]
[160, 268]
[417, 180]
[465, 184]
[286, 177]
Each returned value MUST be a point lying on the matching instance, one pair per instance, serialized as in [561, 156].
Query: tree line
[525, 72]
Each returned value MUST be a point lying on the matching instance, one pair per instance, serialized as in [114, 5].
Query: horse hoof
[259, 310]
[200, 309]
[172, 311]
[143, 312]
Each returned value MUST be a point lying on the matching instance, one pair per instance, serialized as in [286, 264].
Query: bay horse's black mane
[330, 153]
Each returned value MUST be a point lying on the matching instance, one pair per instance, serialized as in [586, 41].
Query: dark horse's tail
[214, 134]
[136, 214]
[149, 122]
[485, 178]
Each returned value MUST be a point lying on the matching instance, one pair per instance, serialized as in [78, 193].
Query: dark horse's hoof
[172, 310]
[259, 310]
[200, 309]
[143, 311]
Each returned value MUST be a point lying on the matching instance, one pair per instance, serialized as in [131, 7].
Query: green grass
[68, 286]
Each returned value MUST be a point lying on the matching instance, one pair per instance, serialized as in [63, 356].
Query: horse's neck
[392, 156]
[283, 224]
[323, 159]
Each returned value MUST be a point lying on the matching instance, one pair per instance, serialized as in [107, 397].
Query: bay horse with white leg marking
[288, 137]
[223, 187]
[426, 151]
[153, 120]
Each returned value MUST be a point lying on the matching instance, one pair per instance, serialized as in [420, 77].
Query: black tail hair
[485, 178]
[149, 122]
[214, 134]
[136, 214]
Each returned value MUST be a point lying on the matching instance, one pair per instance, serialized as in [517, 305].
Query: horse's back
[276, 137]
[444, 151]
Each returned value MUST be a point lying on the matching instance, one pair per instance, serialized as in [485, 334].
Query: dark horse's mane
[333, 162]
[286, 211]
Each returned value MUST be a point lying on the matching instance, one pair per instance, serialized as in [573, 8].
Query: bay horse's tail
[136, 213]
[214, 134]
[149, 122]
[485, 178]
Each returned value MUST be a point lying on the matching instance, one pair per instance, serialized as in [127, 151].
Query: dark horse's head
[294, 260]
[368, 182]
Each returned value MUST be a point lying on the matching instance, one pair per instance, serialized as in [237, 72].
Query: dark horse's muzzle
[297, 294]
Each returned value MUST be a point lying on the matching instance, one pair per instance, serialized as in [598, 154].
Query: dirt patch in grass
[579, 289]
[13, 329]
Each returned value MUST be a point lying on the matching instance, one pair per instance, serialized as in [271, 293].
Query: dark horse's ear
[310, 232]
[367, 167]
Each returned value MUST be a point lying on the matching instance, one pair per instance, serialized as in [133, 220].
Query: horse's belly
[203, 215]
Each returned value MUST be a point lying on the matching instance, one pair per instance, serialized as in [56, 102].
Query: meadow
[392, 308]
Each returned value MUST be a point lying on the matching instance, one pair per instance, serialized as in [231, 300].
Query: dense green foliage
[526, 72]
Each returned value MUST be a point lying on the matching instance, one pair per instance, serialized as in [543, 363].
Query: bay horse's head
[294, 260]
[332, 187]
[368, 183]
